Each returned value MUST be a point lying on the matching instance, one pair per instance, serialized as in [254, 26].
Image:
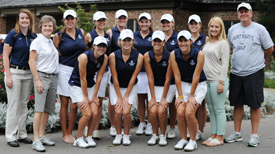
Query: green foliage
[84, 19]
[3, 94]
[269, 83]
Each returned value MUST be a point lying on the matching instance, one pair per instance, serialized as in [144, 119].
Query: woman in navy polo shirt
[125, 65]
[187, 64]
[143, 39]
[84, 90]
[18, 77]
[99, 21]
[70, 43]
[168, 22]
[121, 22]
[199, 39]
[156, 64]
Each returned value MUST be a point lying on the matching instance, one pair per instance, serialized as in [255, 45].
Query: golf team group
[157, 70]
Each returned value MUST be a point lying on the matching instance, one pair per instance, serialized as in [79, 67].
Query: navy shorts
[247, 90]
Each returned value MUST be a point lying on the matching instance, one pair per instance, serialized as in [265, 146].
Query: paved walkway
[139, 143]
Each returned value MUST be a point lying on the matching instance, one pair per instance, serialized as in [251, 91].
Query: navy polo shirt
[115, 36]
[187, 68]
[70, 49]
[160, 68]
[143, 45]
[20, 47]
[172, 44]
[200, 41]
[126, 69]
[91, 69]
[94, 35]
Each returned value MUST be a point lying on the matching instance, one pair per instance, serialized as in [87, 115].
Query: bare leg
[182, 121]
[162, 115]
[255, 119]
[98, 118]
[201, 116]
[36, 125]
[72, 118]
[93, 120]
[238, 117]
[141, 107]
[86, 115]
[154, 118]
[111, 111]
[43, 123]
[191, 121]
[118, 120]
[127, 120]
[173, 113]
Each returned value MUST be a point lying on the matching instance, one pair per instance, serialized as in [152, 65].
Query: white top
[47, 60]
[248, 45]
[216, 60]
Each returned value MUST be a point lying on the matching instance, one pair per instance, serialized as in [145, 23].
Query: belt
[19, 67]
[48, 73]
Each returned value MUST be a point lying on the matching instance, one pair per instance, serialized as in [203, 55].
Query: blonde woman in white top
[216, 52]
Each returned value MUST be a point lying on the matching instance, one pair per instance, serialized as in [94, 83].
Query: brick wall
[2, 25]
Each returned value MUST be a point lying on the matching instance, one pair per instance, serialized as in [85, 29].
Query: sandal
[207, 141]
[214, 143]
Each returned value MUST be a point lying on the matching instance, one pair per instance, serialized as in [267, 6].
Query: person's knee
[126, 115]
[86, 115]
[189, 115]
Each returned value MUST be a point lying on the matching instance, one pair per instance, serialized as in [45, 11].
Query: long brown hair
[17, 26]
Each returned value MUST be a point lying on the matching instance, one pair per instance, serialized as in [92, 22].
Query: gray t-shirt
[248, 44]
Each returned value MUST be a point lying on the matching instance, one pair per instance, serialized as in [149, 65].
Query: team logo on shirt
[20, 38]
[164, 63]
[79, 37]
[199, 42]
[192, 62]
[107, 39]
[149, 39]
[173, 42]
[131, 63]
[98, 65]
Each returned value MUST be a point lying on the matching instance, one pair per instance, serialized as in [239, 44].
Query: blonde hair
[17, 26]
[222, 35]
[47, 18]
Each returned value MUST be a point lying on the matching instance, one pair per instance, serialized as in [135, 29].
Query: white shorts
[77, 94]
[158, 93]
[63, 87]
[132, 97]
[103, 84]
[199, 93]
[142, 83]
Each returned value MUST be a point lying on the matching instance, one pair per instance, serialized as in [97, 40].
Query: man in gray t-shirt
[251, 44]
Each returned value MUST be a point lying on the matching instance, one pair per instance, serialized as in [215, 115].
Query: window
[133, 25]
[228, 24]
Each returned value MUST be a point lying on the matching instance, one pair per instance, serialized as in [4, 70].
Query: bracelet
[221, 83]
[181, 96]
[192, 95]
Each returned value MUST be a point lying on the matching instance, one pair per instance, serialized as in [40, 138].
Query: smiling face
[157, 44]
[166, 25]
[245, 15]
[127, 43]
[122, 21]
[47, 29]
[100, 23]
[215, 29]
[99, 49]
[24, 21]
[70, 21]
[194, 27]
[144, 24]
[184, 45]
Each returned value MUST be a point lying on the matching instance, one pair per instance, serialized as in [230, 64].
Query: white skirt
[63, 87]
[132, 97]
[142, 83]
[103, 84]
[199, 93]
[158, 93]
[77, 94]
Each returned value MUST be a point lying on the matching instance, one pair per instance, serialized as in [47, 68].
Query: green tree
[84, 19]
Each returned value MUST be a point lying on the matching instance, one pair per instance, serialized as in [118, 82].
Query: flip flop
[214, 143]
[207, 141]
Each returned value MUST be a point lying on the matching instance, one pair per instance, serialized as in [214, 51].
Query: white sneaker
[126, 140]
[96, 135]
[199, 135]
[80, 143]
[181, 143]
[117, 140]
[162, 140]
[85, 131]
[141, 128]
[149, 129]
[171, 133]
[191, 146]
[113, 131]
[90, 141]
[153, 140]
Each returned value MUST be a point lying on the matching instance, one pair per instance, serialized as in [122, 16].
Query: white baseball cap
[99, 15]
[100, 39]
[125, 33]
[186, 34]
[167, 17]
[146, 15]
[195, 18]
[158, 34]
[121, 13]
[69, 12]
[245, 5]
